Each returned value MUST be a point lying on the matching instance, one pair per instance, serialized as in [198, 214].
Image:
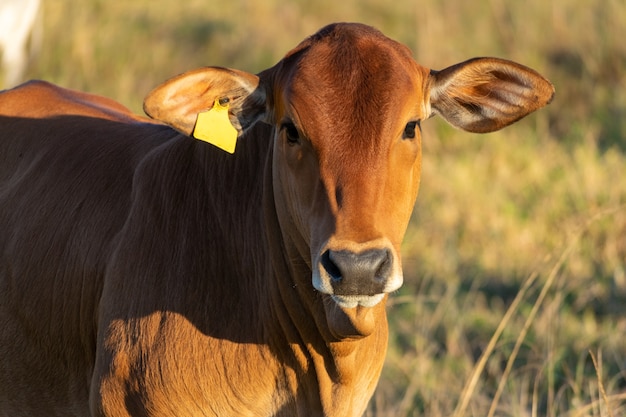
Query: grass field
[519, 234]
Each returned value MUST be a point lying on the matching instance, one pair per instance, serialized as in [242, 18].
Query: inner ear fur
[486, 94]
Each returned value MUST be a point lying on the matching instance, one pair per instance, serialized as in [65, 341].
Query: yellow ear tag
[214, 126]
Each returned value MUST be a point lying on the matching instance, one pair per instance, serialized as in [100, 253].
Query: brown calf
[147, 273]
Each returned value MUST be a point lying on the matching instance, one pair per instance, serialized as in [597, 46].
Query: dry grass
[516, 256]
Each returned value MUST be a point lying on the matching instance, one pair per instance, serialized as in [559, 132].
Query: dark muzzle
[364, 273]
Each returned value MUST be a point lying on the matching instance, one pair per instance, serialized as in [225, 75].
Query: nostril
[331, 268]
[384, 269]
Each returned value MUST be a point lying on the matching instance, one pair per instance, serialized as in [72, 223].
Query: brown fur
[146, 273]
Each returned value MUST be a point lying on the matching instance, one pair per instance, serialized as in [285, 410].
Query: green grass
[531, 219]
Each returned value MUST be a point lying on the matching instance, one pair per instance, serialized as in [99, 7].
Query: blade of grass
[600, 383]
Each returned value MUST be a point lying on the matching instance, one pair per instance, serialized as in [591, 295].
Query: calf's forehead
[351, 83]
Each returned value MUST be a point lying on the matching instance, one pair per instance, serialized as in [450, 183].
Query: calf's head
[346, 106]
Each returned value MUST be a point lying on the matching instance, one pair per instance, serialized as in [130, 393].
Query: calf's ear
[486, 94]
[178, 101]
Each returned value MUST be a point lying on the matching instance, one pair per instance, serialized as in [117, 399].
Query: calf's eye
[409, 130]
[291, 132]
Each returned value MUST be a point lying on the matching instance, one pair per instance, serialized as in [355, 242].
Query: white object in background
[18, 19]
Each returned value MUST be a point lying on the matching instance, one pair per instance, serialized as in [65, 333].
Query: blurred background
[531, 219]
